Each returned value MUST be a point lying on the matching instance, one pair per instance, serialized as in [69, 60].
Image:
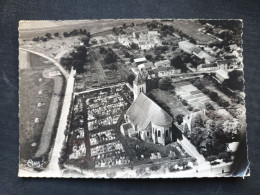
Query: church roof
[144, 111]
[138, 79]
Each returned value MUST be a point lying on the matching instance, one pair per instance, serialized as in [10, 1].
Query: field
[193, 96]
[191, 29]
[30, 85]
[170, 100]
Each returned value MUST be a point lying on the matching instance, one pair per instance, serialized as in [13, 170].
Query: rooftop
[144, 111]
[140, 60]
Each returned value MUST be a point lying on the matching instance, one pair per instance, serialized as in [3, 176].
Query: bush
[190, 108]
[205, 91]
[165, 84]
[48, 35]
[36, 39]
[209, 106]
[56, 34]
[179, 118]
[65, 34]
[223, 103]
[213, 96]
[155, 167]
[184, 102]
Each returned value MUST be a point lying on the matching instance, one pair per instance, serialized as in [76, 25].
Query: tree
[209, 106]
[48, 35]
[102, 50]
[78, 65]
[184, 102]
[235, 81]
[130, 79]
[211, 158]
[56, 34]
[36, 39]
[198, 84]
[177, 62]
[213, 96]
[65, 34]
[179, 118]
[149, 57]
[165, 83]
[85, 40]
[127, 54]
[66, 62]
[134, 46]
[110, 57]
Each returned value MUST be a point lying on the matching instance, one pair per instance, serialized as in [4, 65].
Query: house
[191, 48]
[162, 63]
[222, 75]
[187, 46]
[123, 39]
[139, 61]
[148, 119]
[223, 64]
[167, 71]
[207, 67]
[145, 66]
[204, 55]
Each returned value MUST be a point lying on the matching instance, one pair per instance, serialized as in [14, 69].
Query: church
[145, 118]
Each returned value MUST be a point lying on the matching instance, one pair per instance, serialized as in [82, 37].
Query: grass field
[170, 100]
[30, 132]
[190, 28]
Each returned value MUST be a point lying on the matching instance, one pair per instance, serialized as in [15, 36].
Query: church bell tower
[139, 86]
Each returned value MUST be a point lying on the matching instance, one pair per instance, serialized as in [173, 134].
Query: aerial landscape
[132, 98]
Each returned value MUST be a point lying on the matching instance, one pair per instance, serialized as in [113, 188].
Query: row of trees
[212, 94]
[76, 32]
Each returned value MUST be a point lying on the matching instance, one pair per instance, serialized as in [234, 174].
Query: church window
[147, 133]
[159, 133]
[166, 133]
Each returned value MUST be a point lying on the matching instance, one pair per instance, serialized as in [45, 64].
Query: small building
[222, 75]
[207, 67]
[167, 71]
[162, 63]
[187, 46]
[224, 64]
[139, 61]
[127, 130]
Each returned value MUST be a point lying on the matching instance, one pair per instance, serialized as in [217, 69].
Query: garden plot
[192, 95]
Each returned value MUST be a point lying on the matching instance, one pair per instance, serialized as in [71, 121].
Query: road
[63, 71]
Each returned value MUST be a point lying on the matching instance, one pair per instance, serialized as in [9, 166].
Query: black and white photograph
[132, 98]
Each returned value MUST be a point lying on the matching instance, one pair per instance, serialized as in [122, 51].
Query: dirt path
[48, 127]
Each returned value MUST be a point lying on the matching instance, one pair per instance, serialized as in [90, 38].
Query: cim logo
[34, 164]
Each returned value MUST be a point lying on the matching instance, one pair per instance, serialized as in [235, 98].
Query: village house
[166, 71]
[207, 67]
[150, 122]
[162, 63]
[222, 75]
[124, 40]
[191, 48]
[139, 61]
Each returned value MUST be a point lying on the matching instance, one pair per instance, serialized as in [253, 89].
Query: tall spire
[138, 79]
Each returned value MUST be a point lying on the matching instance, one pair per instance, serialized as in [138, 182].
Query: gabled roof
[139, 79]
[144, 111]
[136, 60]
